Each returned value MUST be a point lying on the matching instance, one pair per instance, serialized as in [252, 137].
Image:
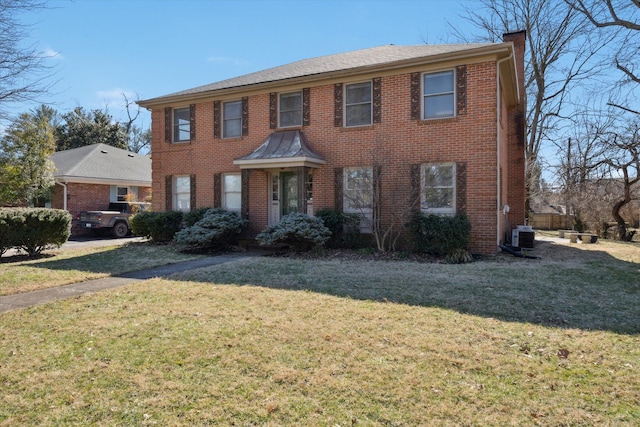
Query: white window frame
[451, 92]
[451, 210]
[350, 193]
[347, 105]
[225, 120]
[226, 190]
[178, 128]
[280, 110]
[179, 193]
[119, 197]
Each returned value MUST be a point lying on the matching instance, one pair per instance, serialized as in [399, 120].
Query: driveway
[79, 242]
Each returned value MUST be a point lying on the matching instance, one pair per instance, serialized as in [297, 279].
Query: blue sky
[149, 48]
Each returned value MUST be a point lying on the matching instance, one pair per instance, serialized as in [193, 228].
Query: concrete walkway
[28, 299]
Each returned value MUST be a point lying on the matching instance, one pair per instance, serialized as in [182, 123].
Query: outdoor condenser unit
[523, 236]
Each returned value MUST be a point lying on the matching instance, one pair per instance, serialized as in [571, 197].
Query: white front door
[283, 195]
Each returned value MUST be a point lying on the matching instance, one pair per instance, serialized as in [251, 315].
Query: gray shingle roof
[102, 162]
[358, 59]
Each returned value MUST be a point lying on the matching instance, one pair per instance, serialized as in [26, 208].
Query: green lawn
[281, 341]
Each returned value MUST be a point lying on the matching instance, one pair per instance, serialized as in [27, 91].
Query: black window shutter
[377, 100]
[273, 110]
[192, 192]
[339, 191]
[244, 195]
[168, 193]
[416, 96]
[192, 122]
[461, 89]
[461, 188]
[216, 120]
[337, 105]
[306, 106]
[414, 173]
[245, 116]
[168, 124]
[217, 190]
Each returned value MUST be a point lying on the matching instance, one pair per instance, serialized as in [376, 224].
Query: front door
[284, 195]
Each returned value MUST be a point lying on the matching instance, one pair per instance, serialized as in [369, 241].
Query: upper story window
[232, 192]
[181, 124]
[358, 106]
[438, 188]
[290, 109]
[232, 119]
[439, 95]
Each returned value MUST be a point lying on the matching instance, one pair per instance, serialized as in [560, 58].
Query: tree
[26, 171]
[623, 18]
[560, 54]
[23, 71]
[139, 139]
[79, 128]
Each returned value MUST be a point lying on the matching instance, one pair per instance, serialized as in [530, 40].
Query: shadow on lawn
[567, 288]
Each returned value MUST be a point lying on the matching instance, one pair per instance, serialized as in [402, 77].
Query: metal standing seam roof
[101, 162]
[289, 145]
[375, 56]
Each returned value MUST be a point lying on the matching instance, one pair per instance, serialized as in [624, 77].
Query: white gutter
[498, 154]
[64, 194]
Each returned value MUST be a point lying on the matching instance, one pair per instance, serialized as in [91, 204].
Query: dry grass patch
[186, 353]
[62, 267]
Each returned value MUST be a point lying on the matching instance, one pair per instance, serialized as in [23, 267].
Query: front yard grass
[280, 341]
[61, 267]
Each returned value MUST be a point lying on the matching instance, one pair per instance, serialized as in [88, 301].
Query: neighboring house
[90, 177]
[379, 132]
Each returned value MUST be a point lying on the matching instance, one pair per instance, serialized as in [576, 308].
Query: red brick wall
[83, 197]
[395, 143]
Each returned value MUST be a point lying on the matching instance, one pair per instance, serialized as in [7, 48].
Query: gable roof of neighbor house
[358, 61]
[102, 164]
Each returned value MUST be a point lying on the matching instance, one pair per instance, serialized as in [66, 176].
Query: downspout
[498, 154]
[64, 194]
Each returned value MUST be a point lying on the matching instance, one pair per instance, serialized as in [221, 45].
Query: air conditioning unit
[523, 236]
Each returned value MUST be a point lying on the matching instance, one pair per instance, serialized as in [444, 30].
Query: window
[232, 119]
[358, 195]
[438, 188]
[181, 124]
[438, 92]
[291, 109]
[357, 108]
[232, 192]
[182, 193]
[122, 193]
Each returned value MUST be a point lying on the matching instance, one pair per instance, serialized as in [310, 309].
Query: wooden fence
[549, 221]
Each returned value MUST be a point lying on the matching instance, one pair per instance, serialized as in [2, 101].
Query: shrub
[214, 230]
[297, 230]
[190, 218]
[344, 227]
[34, 230]
[160, 227]
[440, 235]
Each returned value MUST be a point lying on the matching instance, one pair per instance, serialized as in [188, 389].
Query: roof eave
[72, 179]
[286, 162]
[497, 49]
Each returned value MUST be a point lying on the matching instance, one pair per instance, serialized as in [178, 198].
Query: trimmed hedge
[298, 230]
[160, 227]
[33, 229]
[440, 235]
[214, 230]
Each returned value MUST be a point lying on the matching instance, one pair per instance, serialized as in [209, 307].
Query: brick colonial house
[379, 132]
[90, 177]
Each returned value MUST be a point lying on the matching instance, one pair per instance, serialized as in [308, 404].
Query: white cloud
[50, 53]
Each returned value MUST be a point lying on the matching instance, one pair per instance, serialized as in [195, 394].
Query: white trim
[174, 125]
[287, 162]
[224, 191]
[223, 120]
[67, 179]
[438, 211]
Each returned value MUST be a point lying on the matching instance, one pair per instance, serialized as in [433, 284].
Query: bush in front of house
[344, 227]
[190, 218]
[159, 227]
[441, 235]
[33, 229]
[299, 231]
[216, 229]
